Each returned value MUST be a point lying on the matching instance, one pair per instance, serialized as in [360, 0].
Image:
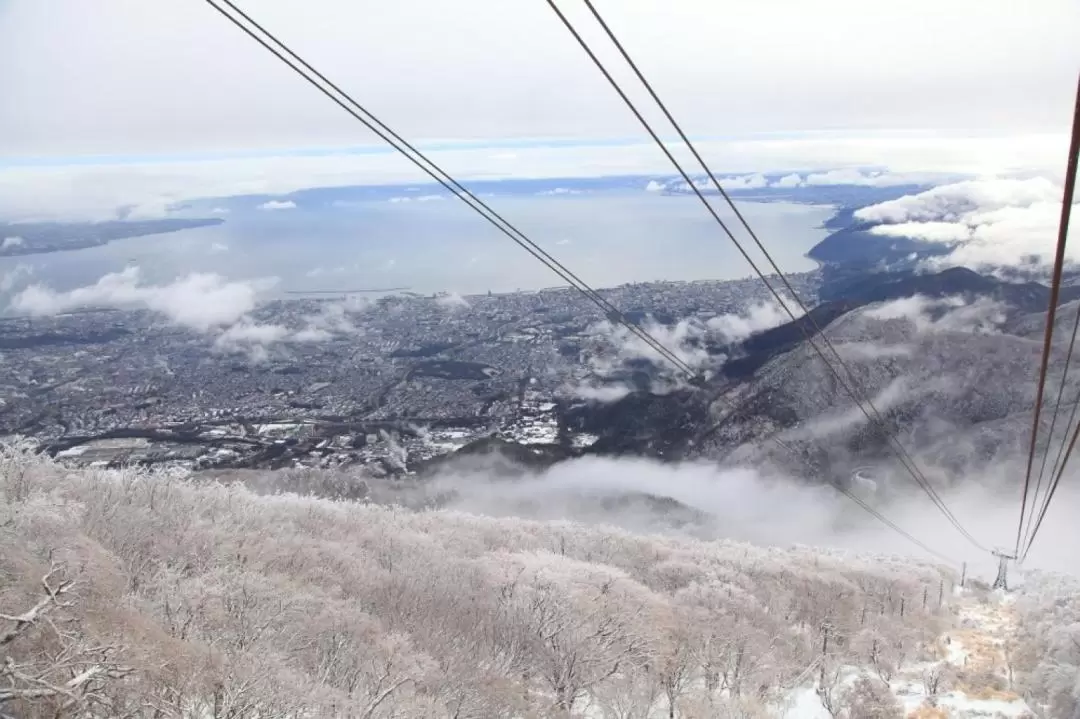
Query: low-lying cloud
[451, 301]
[198, 301]
[756, 506]
[987, 224]
[759, 317]
[15, 277]
[683, 339]
[278, 205]
[95, 191]
[982, 315]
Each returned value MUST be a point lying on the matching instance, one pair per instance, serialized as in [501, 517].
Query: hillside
[126, 593]
[195, 599]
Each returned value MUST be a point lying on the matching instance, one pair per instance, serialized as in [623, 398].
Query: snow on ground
[973, 653]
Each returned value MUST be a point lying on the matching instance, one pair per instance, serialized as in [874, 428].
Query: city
[330, 381]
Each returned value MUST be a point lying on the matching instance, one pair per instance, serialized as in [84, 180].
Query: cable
[1059, 259]
[1051, 311]
[873, 512]
[905, 458]
[298, 65]
[1050, 494]
[902, 453]
[1053, 424]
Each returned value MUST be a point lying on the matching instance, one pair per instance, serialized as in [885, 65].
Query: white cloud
[246, 332]
[949, 203]
[254, 339]
[948, 314]
[745, 182]
[928, 231]
[838, 422]
[217, 248]
[615, 345]
[199, 301]
[871, 351]
[729, 183]
[278, 205]
[868, 178]
[312, 334]
[451, 301]
[219, 211]
[332, 318]
[602, 393]
[792, 180]
[757, 318]
[560, 191]
[961, 70]
[417, 198]
[14, 277]
[96, 191]
[989, 223]
[10, 242]
[654, 186]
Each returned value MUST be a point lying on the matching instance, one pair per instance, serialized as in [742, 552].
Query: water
[607, 238]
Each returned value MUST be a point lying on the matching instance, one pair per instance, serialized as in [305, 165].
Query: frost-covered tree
[202, 598]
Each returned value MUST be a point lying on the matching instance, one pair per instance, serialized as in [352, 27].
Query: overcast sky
[171, 76]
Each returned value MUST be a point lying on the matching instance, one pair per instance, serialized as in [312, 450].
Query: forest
[130, 593]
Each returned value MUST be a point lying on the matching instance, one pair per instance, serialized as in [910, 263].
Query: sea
[424, 241]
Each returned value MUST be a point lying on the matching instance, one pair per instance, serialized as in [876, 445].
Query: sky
[130, 77]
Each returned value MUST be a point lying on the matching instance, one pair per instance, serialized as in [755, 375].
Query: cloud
[417, 198]
[840, 422]
[560, 191]
[792, 180]
[948, 314]
[867, 178]
[951, 203]
[10, 242]
[14, 277]
[755, 505]
[654, 186]
[953, 73]
[729, 183]
[97, 191]
[312, 334]
[757, 318]
[986, 223]
[332, 318]
[451, 301]
[601, 393]
[617, 344]
[872, 351]
[927, 231]
[246, 332]
[219, 211]
[199, 301]
[217, 248]
[278, 205]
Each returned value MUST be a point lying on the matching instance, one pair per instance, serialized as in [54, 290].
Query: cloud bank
[754, 505]
[759, 317]
[948, 314]
[97, 191]
[988, 223]
[199, 301]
